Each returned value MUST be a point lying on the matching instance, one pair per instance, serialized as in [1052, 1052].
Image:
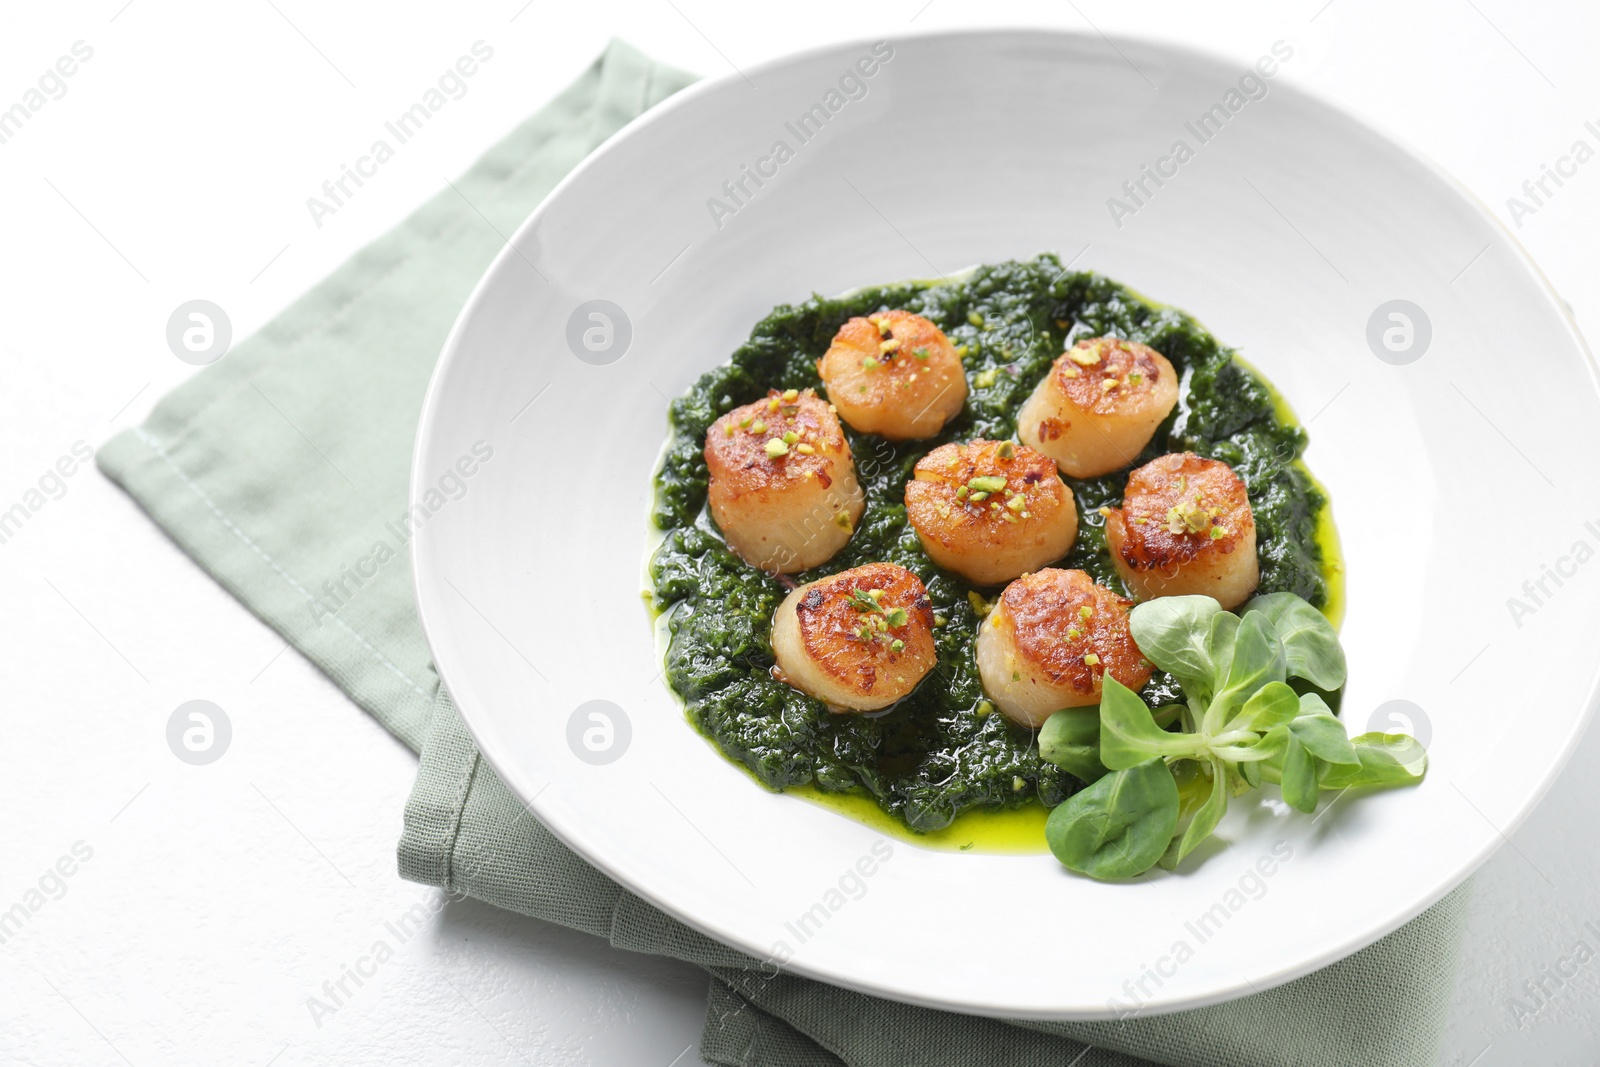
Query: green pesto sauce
[943, 750]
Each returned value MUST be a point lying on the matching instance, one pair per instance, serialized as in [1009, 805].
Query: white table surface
[218, 899]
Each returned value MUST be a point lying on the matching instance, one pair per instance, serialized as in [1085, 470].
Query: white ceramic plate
[1455, 478]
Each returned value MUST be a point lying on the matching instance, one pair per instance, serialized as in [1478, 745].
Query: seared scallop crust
[990, 510]
[1185, 527]
[894, 374]
[1099, 405]
[1050, 641]
[783, 486]
[858, 640]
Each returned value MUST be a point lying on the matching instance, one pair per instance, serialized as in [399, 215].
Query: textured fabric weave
[285, 465]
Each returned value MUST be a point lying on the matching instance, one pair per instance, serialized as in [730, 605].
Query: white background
[177, 165]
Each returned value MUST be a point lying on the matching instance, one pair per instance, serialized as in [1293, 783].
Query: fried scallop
[858, 640]
[1099, 405]
[991, 510]
[783, 485]
[1185, 527]
[1050, 640]
[894, 374]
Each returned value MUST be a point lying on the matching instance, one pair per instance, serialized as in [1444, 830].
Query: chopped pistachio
[992, 483]
[1187, 518]
[938, 620]
[1007, 450]
[891, 345]
[1084, 357]
[758, 427]
[842, 520]
[984, 709]
[1071, 372]
[790, 438]
[1108, 384]
[729, 428]
[1009, 517]
[1073, 633]
[744, 423]
[961, 494]
[977, 498]
[1091, 659]
[897, 645]
[776, 448]
[773, 405]
[1086, 613]
[1218, 532]
[805, 450]
[1015, 503]
[791, 395]
[897, 617]
[1135, 378]
[875, 594]
[920, 352]
[870, 363]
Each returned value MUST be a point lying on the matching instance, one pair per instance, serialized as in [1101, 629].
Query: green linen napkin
[281, 469]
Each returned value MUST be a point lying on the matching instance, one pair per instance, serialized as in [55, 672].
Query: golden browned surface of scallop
[894, 374]
[990, 510]
[1185, 527]
[1049, 642]
[783, 486]
[1099, 406]
[858, 640]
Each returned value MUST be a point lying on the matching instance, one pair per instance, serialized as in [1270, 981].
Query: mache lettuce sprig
[1156, 793]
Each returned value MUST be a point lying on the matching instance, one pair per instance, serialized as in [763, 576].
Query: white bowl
[1455, 478]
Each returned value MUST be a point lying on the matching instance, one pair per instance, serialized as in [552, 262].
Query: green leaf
[1205, 820]
[1171, 633]
[1257, 659]
[1221, 634]
[1129, 734]
[1321, 734]
[1271, 747]
[1299, 776]
[1272, 705]
[1310, 644]
[1385, 759]
[1251, 773]
[1070, 739]
[1119, 826]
